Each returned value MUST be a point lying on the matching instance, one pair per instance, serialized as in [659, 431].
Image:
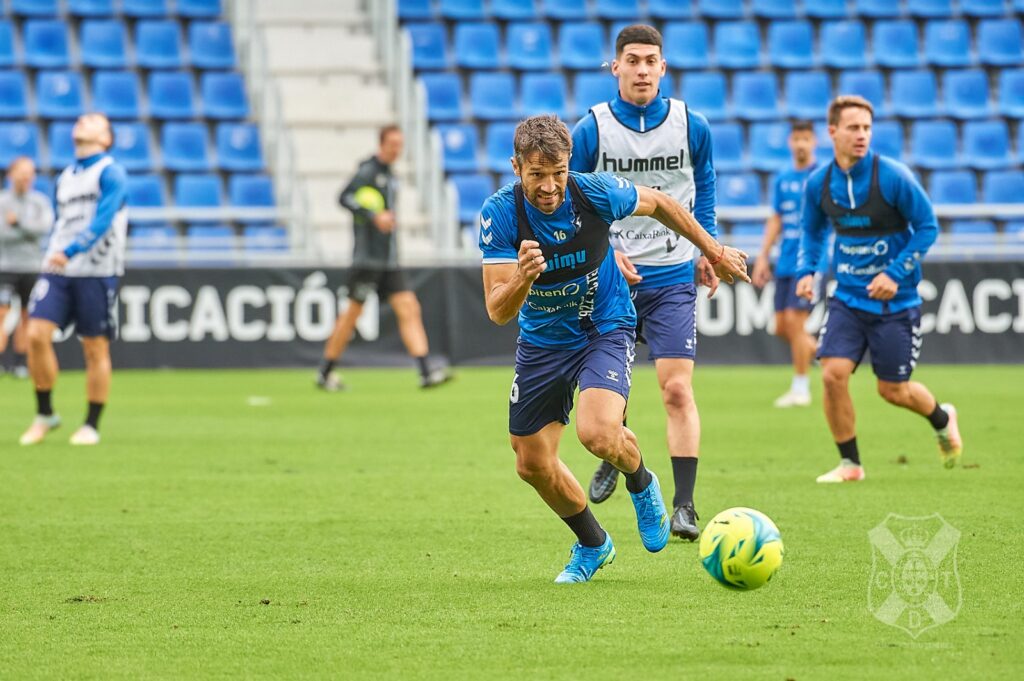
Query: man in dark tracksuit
[371, 197]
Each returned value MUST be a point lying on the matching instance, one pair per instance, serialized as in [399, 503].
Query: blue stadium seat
[565, 10]
[444, 96]
[774, 9]
[737, 45]
[184, 147]
[476, 46]
[223, 95]
[1002, 186]
[933, 145]
[807, 94]
[953, 186]
[91, 8]
[171, 95]
[251, 191]
[791, 44]
[514, 10]
[769, 146]
[987, 145]
[210, 45]
[686, 45]
[158, 44]
[62, 146]
[144, 9]
[895, 45]
[930, 9]
[104, 44]
[590, 88]
[415, 9]
[982, 8]
[492, 96]
[13, 94]
[1011, 92]
[131, 146]
[116, 94]
[35, 8]
[914, 94]
[887, 138]
[966, 94]
[498, 141]
[45, 43]
[507, 178]
[151, 241]
[704, 91]
[216, 237]
[528, 46]
[947, 43]
[7, 54]
[145, 191]
[876, 9]
[463, 10]
[843, 44]
[460, 144]
[743, 189]
[617, 9]
[264, 238]
[473, 191]
[826, 9]
[18, 139]
[197, 190]
[720, 9]
[973, 233]
[867, 84]
[727, 146]
[746, 235]
[999, 42]
[543, 93]
[1014, 230]
[429, 46]
[754, 95]
[581, 46]
[669, 9]
[59, 94]
[238, 147]
[198, 9]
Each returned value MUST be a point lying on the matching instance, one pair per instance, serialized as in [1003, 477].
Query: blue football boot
[584, 561]
[651, 516]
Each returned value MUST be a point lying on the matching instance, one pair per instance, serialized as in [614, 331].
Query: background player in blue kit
[548, 261]
[657, 142]
[791, 311]
[884, 225]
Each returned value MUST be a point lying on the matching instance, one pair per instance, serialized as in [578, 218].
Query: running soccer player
[657, 142]
[83, 262]
[547, 259]
[791, 311]
[884, 225]
[371, 197]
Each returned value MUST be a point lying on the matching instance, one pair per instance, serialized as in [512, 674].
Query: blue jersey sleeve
[113, 193]
[704, 177]
[775, 194]
[910, 199]
[584, 145]
[613, 197]
[497, 233]
[814, 227]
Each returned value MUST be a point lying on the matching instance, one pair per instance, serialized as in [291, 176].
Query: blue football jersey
[787, 200]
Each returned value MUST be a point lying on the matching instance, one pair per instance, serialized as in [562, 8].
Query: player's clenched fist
[531, 260]
[730, 264]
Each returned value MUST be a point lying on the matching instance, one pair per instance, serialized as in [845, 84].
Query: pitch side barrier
[246, 318]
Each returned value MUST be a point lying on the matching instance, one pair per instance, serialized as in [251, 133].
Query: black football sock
[93, 418]
[421, 362]
[586, 528]
[684, 471]
[19, 360]
[638, 480]
[938, 418]
[44, 407]
[848, 450]
[326, 366]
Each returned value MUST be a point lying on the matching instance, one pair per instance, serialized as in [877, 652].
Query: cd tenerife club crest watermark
[914, 582]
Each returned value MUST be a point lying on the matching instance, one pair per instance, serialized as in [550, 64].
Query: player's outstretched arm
[506, 285]
[729, 263]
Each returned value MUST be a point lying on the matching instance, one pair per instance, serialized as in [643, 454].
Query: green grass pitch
[243, 525]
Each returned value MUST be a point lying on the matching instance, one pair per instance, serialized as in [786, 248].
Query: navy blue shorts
[787, 299]
[88, 302]
[893, 339]
[545, 380]
[667, 320]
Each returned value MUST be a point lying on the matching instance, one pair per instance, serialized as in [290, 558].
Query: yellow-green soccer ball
[741, 548]
[369, 198]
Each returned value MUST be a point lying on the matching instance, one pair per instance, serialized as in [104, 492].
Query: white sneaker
[330, 383]
[846, 471]
[951, 445]
[86, 435]
[792, 399]
[41, 425]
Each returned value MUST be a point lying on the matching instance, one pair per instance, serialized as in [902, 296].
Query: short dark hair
[637, 33]
[545, 135]
[836, 107]
[387, 130]
[801, 125]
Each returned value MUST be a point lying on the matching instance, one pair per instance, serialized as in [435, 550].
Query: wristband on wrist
[718, 259]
